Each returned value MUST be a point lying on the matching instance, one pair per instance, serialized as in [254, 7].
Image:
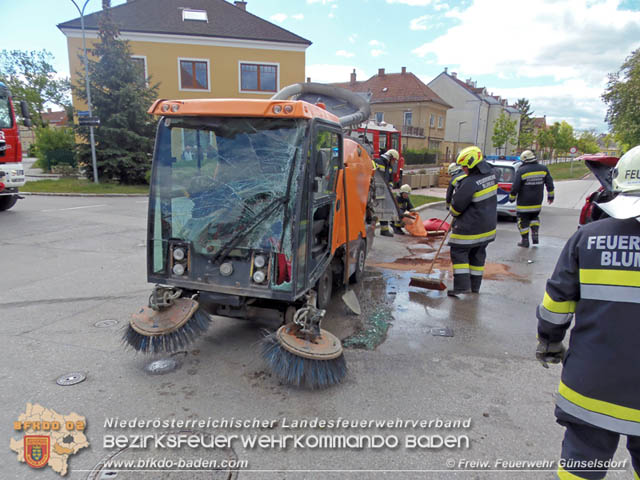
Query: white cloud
[377, 52]
[573, 42]
[344, 53]
[331, 15]
[323, 2]
[298, 16]
[419, 23]
[353, 37]
[441, 6]
[376, 43]
[334, 6]
[413, 3]
[328, 73]
[278, 17]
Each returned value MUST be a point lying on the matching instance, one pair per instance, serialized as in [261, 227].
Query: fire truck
[382, 137]
[11, 168]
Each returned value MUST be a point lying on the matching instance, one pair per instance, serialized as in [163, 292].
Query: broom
[431, 283]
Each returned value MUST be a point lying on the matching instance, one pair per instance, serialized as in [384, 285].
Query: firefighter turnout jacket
[404, 204]
[474, 208]
[597, 281]
[528, 187]
[452, 185]
[383, 164]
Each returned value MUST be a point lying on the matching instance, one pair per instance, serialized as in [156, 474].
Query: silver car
[505, 175]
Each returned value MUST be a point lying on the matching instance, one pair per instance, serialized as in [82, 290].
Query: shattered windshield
[225, 182]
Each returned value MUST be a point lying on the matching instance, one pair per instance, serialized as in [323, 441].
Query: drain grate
[105, 323]
[162, 366]
[71, 379]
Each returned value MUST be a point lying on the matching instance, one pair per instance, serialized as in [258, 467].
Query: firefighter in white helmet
[457, 174]
[404, 206]
[385, 164]
[596, 283]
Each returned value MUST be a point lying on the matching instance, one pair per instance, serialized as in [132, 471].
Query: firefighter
[597, 282]
[474, 208]
[528, 188]
[385, 165]
[404, 205]
[457, 174]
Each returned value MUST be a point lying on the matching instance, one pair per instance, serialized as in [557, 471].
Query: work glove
[548, 352]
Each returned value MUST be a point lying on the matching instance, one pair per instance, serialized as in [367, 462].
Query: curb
[428, 205]
[49, 194]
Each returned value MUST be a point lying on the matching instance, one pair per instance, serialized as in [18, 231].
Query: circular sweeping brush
[314, 363]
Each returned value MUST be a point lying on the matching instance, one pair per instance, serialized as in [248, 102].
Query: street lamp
[86, 79]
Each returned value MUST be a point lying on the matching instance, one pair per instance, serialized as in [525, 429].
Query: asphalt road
[69, 263]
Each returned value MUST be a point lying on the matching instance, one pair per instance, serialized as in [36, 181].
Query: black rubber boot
[524, 242]
[534, 236]
[386, 233]
[398, 230]
[476, 281]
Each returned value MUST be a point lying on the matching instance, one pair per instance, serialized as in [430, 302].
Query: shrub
[55, 146]
[419, 157]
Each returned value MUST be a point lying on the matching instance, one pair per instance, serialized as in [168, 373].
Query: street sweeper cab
[256, 209]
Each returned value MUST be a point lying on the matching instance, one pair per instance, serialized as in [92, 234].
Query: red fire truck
[382, 137]
[11, 168]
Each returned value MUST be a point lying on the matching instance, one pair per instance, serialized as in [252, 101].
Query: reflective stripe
[512, 197]
[457, 266]
[636, 476]
[601, 420]
[528, 208]
[477, 273]
[610, 293]
[534, 174]
[453, 211]
[457, 179]
[564, 475]
[477, 268]
[485, 193]
[461, 239]
[551, 193]
[523, 231]
[600, 406]
[553, 306]
[535, 223]
[625, 278]
[555, 318]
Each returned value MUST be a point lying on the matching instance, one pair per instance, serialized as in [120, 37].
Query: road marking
[72, 208]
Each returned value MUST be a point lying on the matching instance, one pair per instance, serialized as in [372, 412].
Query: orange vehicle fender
[359, 174]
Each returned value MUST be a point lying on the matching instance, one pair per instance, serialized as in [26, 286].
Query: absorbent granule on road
[374, 330]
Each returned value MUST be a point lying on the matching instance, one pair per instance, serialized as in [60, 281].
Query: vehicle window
[504, 174]
[326, 151]
[5, 113]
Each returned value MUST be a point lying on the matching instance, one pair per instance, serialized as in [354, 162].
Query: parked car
[602, 168]
[505, 169]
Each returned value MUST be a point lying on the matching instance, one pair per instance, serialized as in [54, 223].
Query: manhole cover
[178, 463]
[442, 332]
[162, 366]
[105, 323]
[71, 379]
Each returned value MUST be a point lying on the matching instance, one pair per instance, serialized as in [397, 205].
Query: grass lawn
[75, 185]
[418, 200]
[562, 171]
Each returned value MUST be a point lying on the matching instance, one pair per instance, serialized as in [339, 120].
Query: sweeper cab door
[318, 204]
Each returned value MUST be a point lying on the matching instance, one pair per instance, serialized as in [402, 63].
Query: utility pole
[86, 79]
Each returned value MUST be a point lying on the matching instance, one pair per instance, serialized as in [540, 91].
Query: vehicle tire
[324, 288]
[7, 201]
[361, 257]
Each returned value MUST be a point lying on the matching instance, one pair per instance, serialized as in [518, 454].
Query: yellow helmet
[393, 153]
[469, 157]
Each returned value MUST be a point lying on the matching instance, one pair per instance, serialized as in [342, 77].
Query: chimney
[353, 77]
[404, 69]
[48, 110]
[240, 4]
[468, 81]
[454, 74]
[445, 69]
[380, 72]
[308, 79]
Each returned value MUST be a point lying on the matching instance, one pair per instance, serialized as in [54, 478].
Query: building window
[432, 121]
[141, 65]
[194, 74]
[379, 117]
[258, 77]
[439, 122]
[199, 15]
[407, 118]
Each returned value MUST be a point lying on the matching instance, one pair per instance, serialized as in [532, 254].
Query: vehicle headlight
[226, 269]
[259, 261]
[178, 254]
[178, 269]
[259, 276]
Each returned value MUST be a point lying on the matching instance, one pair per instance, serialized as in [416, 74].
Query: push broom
[432, 283]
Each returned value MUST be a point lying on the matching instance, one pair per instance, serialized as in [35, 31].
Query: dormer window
[198, 15]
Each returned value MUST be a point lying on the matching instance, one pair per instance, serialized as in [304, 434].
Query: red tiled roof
[55, 118]
[539, 122]
[395, 88]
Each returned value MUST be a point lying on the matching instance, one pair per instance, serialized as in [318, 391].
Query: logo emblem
[36, 450]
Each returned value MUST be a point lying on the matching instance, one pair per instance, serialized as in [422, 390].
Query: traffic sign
[88, 121]
[573, 150]
[83, 113]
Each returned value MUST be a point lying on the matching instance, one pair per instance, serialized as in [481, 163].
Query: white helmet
[626, 182]
[405, 188]
[453, 168]
[527, 156]
[392, 153]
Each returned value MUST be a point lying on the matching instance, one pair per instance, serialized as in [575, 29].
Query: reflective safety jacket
[383, 164]
[474, 207]
[528, 187]
[452, 185]
[597, 281]
[404, 204]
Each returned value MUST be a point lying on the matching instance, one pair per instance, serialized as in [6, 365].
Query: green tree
[120, 97]
[31, 77]
[587, 142]
[563, 138]
[504, 131]
[621, 96]
[525, 135]
[546, 141]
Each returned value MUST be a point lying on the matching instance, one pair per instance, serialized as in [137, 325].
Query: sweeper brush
[169, 329]
[304, 355]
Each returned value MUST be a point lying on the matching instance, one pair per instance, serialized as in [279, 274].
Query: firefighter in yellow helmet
[596, 283]
[474, 209]
[385, 164]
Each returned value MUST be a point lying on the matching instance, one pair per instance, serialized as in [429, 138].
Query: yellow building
[198, 49]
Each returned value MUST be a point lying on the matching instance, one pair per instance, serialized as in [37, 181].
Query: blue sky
[556, 53]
